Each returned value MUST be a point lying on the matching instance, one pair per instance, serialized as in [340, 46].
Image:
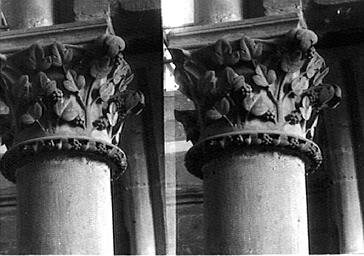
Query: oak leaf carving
[33, 114]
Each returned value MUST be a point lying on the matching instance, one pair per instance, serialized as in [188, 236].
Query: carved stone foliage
[256, 84]
[211, 148]
[25, 152]
[253, 85]
[70, 90]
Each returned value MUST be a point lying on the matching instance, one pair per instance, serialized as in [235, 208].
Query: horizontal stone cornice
[68, 33]
[264, 27]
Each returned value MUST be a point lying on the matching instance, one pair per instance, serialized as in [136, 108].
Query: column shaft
[345, 179]
[216, 11]
[254, 202]
[33, 13]
[64, 207]
[138, 203]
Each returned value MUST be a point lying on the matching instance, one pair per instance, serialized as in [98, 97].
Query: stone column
[343, 168]
[63, 107]
[216, 11]
[29, 13]
[257, 104]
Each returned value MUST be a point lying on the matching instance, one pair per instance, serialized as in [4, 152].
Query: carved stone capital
[255, 88]
[62, 97]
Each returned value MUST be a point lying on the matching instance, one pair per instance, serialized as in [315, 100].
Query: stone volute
[62, 111]
[257, 103]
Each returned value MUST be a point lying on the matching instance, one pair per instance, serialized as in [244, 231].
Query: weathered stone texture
[7, 230]
[28, 13]
[274, 7]
[70, 213]
[190, 229]
[132, 5]
[86, 10]
[255, 203]
[217, 11]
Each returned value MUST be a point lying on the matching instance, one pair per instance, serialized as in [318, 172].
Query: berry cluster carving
[254, 84]
[67, 89]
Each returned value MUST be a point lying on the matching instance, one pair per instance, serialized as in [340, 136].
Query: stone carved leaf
[314, 65]
[249, 101]
[134, 102]
[258, 50]
[271, 76]
[60, 55]
[234, 79]
[299, 84]
[59, 107]
[249, 49]
[126, 81]
[306, 109]
[255, 104]
[326, 95]
[189, 120]
[74, 83]
[292, 61]
[70, 112]
[22, 88]
[106, 91]
[122, 75]
[223, 106]
[101, 68]
[265, 79]
[81, 82]
[245, 54]
[66, 110]
[213, 114]
[27, 119]
[113, 115]
[320, 76]
[47, 85]
[183, 77]
[259, 108]
[259, 78]
[4, 109]
[119, 72]
[179, 56]
[37, 59]
[33, 114]
[207, 84]
[330, 95]
[224, 53]
[184, 80]
[70, 83]
[310, 132]
[239, 82]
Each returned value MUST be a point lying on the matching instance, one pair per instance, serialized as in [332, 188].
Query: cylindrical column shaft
[216, 11]
[347, 201]
[31, 13]
[138, 204]
[64, 207]
[255, 203]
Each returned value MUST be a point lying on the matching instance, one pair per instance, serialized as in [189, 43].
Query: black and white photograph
[181, 127]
